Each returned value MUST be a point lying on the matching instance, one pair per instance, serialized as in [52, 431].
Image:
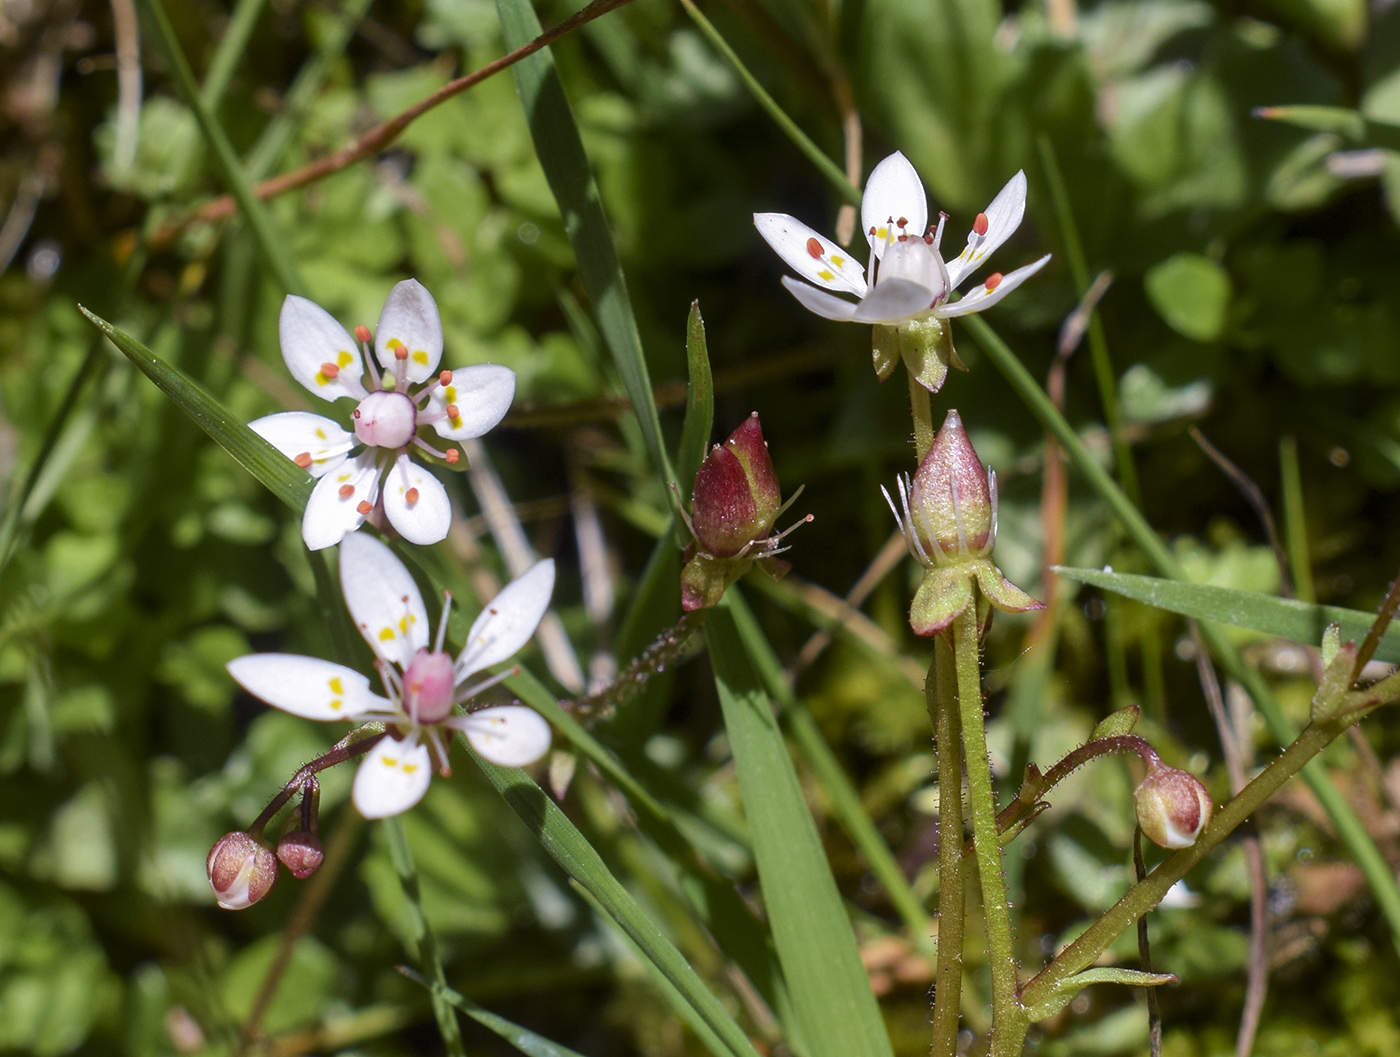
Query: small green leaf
[1119, 723]
[1192, 293]
[1288, 619]
[1336, 119]
[1064, 995]
[699, 402]
[282, 477]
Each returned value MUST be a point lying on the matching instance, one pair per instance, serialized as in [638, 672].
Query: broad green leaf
[1191, 292]
[282, 477]
[830, 989]
[1286, 618]
[576, 856]
[561, 153]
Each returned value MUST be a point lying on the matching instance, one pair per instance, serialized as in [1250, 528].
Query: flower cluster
[392, 410]
[908, 293]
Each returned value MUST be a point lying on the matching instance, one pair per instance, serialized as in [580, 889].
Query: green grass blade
[232, 45]
[568, 847]
[828, 168]
[1295, 524]
[1353, 834]
[830, 990]
[523, 1039]
[1286, 618]
[282, 477]
[561, 153]
[699, 402]
[272, 246]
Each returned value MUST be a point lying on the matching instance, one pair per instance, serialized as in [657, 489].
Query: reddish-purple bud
[736, 497]
[951, 498]
[1172, 806]
[300, 853]
[241, 870]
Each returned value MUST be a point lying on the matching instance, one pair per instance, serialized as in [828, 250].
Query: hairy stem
[921, 404]
[940, 690]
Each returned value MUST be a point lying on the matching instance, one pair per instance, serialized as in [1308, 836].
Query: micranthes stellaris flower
[392, 411]
[907, 296]
[423, 684]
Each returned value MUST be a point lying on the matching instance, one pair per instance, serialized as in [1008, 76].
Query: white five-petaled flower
[423, 684]
[909, 280]
[387, 419]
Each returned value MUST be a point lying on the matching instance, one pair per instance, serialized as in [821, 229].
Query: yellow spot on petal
[343, 359]
[824, 274]
[321, 379]
[335, 705]
[457, 422]
[409, 768]
[420, 357]
[882, 233]
[450, 394]
[838, 261]
[389, 761]
[320, 433]
[386, 635]
[394, 343]
[337, 687]
[403, 624]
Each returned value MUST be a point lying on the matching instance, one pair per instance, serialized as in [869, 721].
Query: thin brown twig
[382, 135]
[1254, 496]
[1378, 628]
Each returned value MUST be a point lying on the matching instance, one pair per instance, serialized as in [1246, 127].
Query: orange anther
[445, 378]
[814, 247]
[980, 224]
[993, 280]
[362, 334]
[303, 460]
[452, 411]
[902, 222]
[363, 507]
[411, 496]
[330, 370]
[400, 352]
[346, 491]
[452, 455]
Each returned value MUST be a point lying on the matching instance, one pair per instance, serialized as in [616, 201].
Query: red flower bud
[951, 499]
[300, 852]
[241, 870]
[736, 497]
[1172, 806]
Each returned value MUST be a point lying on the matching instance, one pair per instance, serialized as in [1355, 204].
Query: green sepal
[941, 598]
[927, 347]
[1001, 592]
[705, 579]
[1331, 644]
[1066, 992]
[884, 349]
[1116, 724]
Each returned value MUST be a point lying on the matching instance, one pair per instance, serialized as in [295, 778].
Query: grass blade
[523, 1039]
[699, 402]
[830, 990]
[561, 153]
[282, 477]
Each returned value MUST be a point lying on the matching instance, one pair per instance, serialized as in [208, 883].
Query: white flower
[388, 419]
[423, 684]
[909, 280]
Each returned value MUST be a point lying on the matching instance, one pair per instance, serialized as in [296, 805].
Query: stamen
[435, 739]
[814, 247]
[993, 281]
[346, 491]
[466, 693]
[401, 352]
[902, 222]
[364, 507]
[452, 455]
[442, 624]
[938, 232]
[980, 224]
[330, 370]
[912, 532]
[411, 496]
[362, 334]
[957, 515]
[991, 536]
[445, 378]
[420, 442]
[303, 460]
[453, 411]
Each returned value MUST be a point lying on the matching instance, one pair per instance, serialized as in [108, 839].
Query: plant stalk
[921, 404]
[940, 690]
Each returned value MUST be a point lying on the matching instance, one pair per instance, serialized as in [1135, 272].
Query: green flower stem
[1349, 828]
[981, 794]
[921, 404]
[422, 937]
[940, 690]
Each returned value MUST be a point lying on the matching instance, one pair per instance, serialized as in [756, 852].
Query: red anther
[902, 238]
[363, 507]
[355, 413]
[980, 224]
[362, 334]
[993, 280]
[346, 491]
[303, 460]
[452, 411]
[928, 239]
[452, 455]
[872, 229]
[411, 496]
[814, 247]
[445, 378]
[902, 222]
[400, 352]
[330, 370]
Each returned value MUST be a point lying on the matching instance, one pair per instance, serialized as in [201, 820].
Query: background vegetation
[1255, 295]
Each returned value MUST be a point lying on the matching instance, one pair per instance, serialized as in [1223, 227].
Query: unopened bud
[241, 870]
[1172, 807]
[300, 852]
[951, 499]
[736, 497]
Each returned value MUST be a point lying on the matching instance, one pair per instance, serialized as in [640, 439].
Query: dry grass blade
[1254, 496]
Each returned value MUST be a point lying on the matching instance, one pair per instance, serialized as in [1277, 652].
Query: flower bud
[1172, 806]
[300, 852]
[736, 497]
[951, 499]
[241, 870]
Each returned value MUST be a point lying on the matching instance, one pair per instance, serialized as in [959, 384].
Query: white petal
[831, 268]
[307, 686]
[894, 301]
[507, 735]
[300, 435]
[508, 620]
[1003, 217]
[311, 337]
[481, 394]
[981, 298]
[329, 514]
[894, 190]
[410, 318]
[826, 305]
[393, 777]
[382, 598]
[416, 502]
